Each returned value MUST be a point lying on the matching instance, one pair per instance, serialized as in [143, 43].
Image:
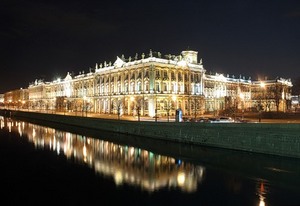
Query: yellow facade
[153, 85]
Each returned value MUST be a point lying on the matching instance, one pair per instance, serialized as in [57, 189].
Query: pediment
[119, 62]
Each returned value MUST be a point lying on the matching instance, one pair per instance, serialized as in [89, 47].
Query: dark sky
[47, 39]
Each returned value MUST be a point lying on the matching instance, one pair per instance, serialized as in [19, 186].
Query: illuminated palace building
[153, 85]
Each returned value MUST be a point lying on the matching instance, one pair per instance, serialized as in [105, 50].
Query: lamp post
[262, 86]
[119, 109]
[53, 105]
[23, 103]
[132, 105]
[242, 97]
[138, 112]
[87, 102]
[83, 106]
[195, 107]
[174, 98]
[64, 106]
[168, 109]
[155, 106]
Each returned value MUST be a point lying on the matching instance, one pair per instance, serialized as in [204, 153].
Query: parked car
[221, 120]
[203, 119]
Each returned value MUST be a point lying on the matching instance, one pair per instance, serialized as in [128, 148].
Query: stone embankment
[280, 139]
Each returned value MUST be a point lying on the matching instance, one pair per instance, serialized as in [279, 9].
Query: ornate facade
[153, 85]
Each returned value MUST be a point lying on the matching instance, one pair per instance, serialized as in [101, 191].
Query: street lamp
[155, 106]
[262, 86]
[53, 105]
[23, 103]
[174, 98]
[242, 101]
[132, 104]
[83, 106]
[168, 109]
[119, 104]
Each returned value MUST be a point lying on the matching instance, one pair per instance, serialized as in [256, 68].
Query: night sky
[47, 39]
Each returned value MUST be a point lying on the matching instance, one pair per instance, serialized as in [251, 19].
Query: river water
[43, 163]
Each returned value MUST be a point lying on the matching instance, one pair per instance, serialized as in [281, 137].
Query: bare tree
[296, 86]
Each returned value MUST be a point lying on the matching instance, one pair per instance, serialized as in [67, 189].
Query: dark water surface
[55, 164]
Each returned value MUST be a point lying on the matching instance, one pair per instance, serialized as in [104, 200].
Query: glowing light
[84, 151]
[181, 178]
[68, 91]
[220, 77]
[174, 98]
[131, 150]
[262, 202]
[261, 194]
[182, 63]
[58, 147]
[33, 133]
[118, 177]
[242, 96]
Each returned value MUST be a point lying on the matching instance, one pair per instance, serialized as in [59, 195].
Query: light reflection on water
[151, 171]
[126, 164]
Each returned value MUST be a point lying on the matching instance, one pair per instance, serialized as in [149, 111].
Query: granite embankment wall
[268, 138]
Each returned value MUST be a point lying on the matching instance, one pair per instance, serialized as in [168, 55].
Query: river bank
[280, 139]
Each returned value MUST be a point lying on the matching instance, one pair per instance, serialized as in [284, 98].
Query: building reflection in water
[261, 192]
[126, 164]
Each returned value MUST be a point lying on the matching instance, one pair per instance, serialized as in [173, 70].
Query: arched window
[146, 74]
[165, 74]
[112, 88]
[146, 87]
[173, 76]
[139, 86]
[107, 88]
[132, 87]
[186, 77]
[165, 87]
[179, 76]
[102, 89]
[119, 88]
[157, 87]
[157, 74]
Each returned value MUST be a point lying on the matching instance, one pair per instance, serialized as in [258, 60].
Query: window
[179, 76]
[119, 88]
[165, 87]
[132, 87]
[165, 74]
[157, 74]
[172, 76]
[146, 74]
[157, 88]
[146, 86]
[139, 86]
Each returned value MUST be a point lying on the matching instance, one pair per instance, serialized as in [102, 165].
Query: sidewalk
[172, 118]
[252, 119]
